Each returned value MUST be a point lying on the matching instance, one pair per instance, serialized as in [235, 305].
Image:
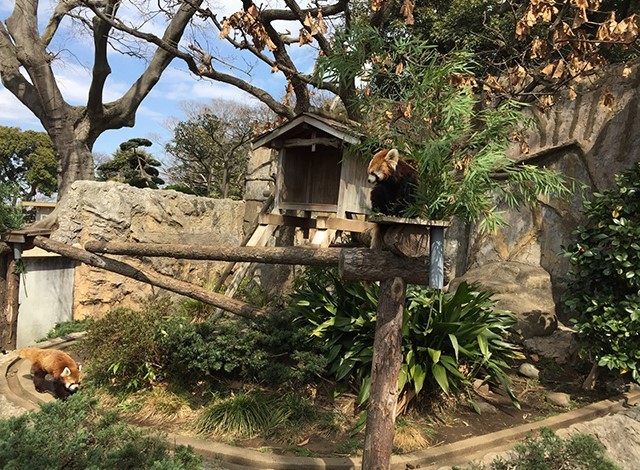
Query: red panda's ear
[66, 372]
[79, 367]
[392, 158]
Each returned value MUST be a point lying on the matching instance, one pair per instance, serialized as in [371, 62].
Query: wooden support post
[9, 298]
[166, 282]
[385, 369]
[436, 257]
[228, 269]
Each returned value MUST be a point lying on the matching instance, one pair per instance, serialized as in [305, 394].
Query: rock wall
[118, 212]
[588, 139]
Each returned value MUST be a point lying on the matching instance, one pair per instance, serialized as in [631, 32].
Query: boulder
[523, 289]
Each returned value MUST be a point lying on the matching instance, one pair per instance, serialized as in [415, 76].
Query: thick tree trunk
[73, 153]
[373, 265]
[251, 254]
[354, 263]
[385, 369]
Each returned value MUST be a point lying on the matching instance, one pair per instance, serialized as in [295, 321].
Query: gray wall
[46, 297]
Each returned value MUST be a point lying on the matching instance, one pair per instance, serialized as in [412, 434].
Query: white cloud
[14, 113]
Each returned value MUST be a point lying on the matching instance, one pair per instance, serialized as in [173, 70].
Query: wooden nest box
[313, 174]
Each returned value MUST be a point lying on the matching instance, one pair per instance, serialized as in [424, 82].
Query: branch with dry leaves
[563, 42]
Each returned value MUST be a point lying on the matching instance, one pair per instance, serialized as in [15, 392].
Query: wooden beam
[354, 263]
[264, 254]
[389, 219]
[166, 282]
[331, 223]
[328, 141]
[346, 225]
[373, 265]
[287, 220]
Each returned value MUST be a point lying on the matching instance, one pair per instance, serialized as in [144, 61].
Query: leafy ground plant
[448, 338]
[547, 451]
[255, 414]
[76, 434]
[604, 286]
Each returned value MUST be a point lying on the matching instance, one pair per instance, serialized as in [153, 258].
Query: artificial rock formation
[589, 140]
[520, 288]
[118, 212]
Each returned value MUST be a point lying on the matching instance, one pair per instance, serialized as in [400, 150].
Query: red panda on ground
[395, 180]
[64, 370]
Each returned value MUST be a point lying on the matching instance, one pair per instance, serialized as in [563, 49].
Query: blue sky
[165, 103]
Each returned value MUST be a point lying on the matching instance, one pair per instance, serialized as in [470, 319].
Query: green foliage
[604, 286]
[422, 103]
[27, 162]
[67, 327]
[211, 150]
[547, 451]
[255, 414]
[269, 350]
[11, 215]
[122, 348]
[76, 434]
[447, 337]
[446, 330]
[130, 349]
[132, 165]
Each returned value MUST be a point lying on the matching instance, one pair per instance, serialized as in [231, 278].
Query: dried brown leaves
[571, 47]
[248, 23]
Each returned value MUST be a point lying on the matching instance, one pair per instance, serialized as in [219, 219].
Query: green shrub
[447, 337]
[121, 349]
[547, 451]
[130, 349]
[75, 434]
[201, 351]
[604, 287]
[269, 350]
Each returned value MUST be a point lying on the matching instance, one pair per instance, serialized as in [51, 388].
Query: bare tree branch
[11, 77]
[101, 68]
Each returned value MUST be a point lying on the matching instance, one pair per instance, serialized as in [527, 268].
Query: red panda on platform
[64, 370]
[395, 180]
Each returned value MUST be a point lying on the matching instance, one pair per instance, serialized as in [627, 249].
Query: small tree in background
[211, 148]
[426, 105]
[132, 165]
[604, 287]
[11, 215]
[27, 163]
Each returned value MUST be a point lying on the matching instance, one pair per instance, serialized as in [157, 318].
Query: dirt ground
[448, 419]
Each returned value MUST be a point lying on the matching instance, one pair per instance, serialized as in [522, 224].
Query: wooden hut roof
[338, 129]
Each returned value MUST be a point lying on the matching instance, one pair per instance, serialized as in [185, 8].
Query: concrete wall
[46, 296]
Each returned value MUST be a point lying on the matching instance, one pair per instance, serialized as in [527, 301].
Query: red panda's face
[382, 165]
[70, 378]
